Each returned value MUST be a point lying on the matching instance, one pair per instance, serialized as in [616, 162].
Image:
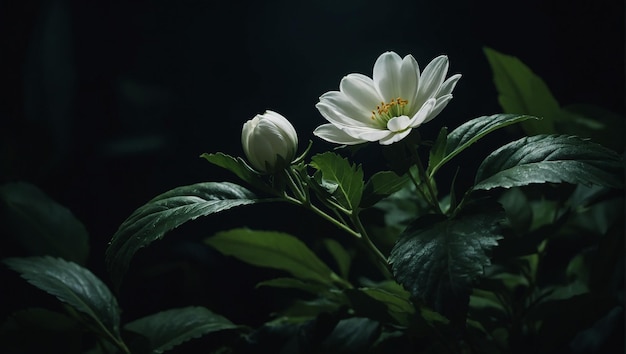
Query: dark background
[106, 104]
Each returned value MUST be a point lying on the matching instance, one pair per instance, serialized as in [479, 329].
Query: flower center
[385, 111]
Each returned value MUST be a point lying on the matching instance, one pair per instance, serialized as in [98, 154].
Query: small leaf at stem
[381, 185]
[470, 132]
[438, 150]
[239, 167]
[338, 171]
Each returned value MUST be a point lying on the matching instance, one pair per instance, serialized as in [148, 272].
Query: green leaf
[338, 171]
[521, 91]
[166, 212]
[341, 256]
[41, 225]
[436, 259]
[239, 167]
[74, 285]
[470, 132]
[550, 158]
[170, 328]
[273, 250]
[293, 283]
[438, 150]
[588, 121]
[381, 185]
[399, 307]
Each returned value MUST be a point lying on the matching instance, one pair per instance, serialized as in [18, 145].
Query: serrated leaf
[337, 170]
[436, 259]
[73, 285]
[470, 132]
[550, 158]
[521, 91]
[41, 225]
[273, 250]
[237, 166]
[381, 185]
[166, 212]
[170, 328]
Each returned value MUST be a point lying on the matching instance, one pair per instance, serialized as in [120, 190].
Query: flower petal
[339, 119]
[335, 135]
[288, 131]
[432, 77]
[397, 124]
[442, 102]
[394, 137]
[423, 115]
[448, 85]
[341, 104]
[361, 91]
[386, 75]
[410, 77]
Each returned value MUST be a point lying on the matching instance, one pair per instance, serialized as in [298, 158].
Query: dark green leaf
[518, 210]
[293, 283]
[170, 328]
[239, 167]
[351, 335]
[74, 285]
[436, 259]
[41, 225]
[398, 307]
[470, 132]
[341, 256]
[273, 250]
[438, 150]
[338, 171]
[598, 124]
[166, 212]
[381, 185]
[550, 158]
[520, 91]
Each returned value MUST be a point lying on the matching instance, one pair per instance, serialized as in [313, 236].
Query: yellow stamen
[385, 111]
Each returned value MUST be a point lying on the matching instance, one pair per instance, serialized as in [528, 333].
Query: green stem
[424, 178]
[302, 198]
[296, 188]
[323, 214]
[380, 258]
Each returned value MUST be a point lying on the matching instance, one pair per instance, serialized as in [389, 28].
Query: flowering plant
[480, 270]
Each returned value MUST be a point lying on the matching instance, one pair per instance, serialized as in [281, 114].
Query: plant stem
[425, 180]
[380, 259]
[302, 198]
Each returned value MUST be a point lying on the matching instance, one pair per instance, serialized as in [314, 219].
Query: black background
[106, 104]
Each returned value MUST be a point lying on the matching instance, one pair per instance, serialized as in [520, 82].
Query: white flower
[387, 106]
[267, 136]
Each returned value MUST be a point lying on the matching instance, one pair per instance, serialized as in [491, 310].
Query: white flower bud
[267, 136]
